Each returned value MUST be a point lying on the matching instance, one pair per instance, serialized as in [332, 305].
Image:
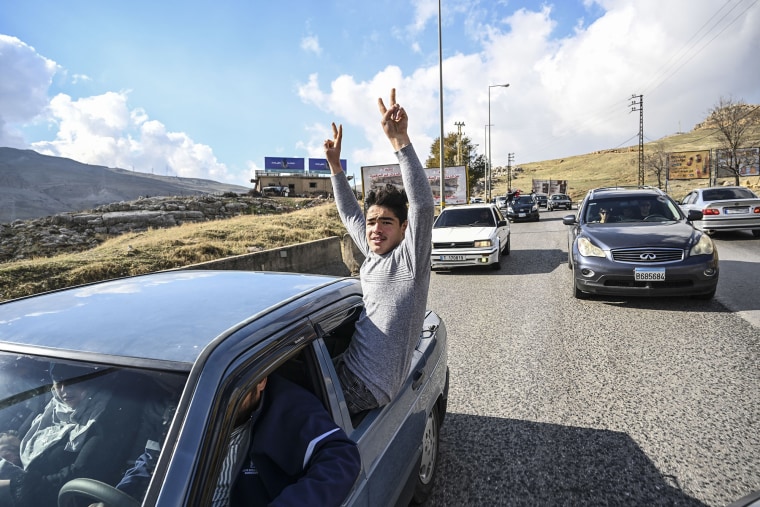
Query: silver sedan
[725, 209]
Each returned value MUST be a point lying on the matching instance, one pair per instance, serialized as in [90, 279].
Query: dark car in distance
[542, 200]
[175, 354]
[559, 201]
[523, 208]
[638, 242]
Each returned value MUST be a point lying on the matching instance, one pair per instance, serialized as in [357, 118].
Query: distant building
[292, 185]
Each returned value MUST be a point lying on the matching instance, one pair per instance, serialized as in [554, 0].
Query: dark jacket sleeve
[303, 457]
[42, 480]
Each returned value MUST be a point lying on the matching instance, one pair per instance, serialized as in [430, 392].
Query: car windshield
[61, 420]
[524, 199]
[633, 209]
[478, 217]
[558, 197]
[722, 194]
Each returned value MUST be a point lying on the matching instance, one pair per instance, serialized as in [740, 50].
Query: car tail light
[756, 209]
[710, 211]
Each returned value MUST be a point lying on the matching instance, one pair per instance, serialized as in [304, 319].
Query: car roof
[470, 206]
[167, 316]
[604, 192]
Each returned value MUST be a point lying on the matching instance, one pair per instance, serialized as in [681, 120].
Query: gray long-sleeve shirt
[395, 285]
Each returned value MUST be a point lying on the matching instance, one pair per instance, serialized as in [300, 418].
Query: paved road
[558, 401]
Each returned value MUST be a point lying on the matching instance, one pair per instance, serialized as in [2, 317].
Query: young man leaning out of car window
[395, 275]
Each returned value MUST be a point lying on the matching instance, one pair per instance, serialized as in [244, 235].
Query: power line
[686, 60]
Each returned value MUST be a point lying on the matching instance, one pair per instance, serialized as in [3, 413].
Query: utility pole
[640, 108]
[459, 125]
[510, 159]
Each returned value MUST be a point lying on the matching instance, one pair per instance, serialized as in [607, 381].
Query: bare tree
[732, 118]
[656, 162]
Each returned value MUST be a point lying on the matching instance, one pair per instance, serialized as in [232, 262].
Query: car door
[689, 202]
[227, 376]
[502, 230]
[389, 437]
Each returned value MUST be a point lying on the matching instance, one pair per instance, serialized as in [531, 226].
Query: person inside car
[284, 449]
[395, 275]
[66, 440]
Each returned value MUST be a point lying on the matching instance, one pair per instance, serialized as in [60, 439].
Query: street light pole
[490, 163]
[440, 96]
[486, 147]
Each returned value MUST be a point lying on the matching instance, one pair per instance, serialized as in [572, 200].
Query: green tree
[475, 164]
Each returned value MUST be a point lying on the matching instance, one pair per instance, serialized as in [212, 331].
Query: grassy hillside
[159, 249]
[620, 167]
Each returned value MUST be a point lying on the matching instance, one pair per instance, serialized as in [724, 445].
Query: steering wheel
[94, 490]
[655, 217]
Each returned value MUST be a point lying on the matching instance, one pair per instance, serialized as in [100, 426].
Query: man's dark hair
[389, 197]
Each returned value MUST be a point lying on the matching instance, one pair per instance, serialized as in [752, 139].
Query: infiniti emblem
[647, 257]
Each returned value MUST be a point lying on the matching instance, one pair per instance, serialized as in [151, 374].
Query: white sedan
[724, 209]
[470, 235]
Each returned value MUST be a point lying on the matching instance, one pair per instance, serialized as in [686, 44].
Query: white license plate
[736, 211]
[452, 257]
[649, 274]
[521, 215]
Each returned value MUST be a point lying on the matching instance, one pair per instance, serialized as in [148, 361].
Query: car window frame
[210, 435]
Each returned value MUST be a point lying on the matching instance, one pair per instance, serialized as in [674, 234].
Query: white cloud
[568, 95]
[310, 44]
[102, 130]
[24, 98]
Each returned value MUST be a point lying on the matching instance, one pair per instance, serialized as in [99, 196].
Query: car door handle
[417, 379]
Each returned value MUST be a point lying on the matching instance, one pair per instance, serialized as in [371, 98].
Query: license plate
[736, 211]
[649, 274]
[521, 215]
[452, 257]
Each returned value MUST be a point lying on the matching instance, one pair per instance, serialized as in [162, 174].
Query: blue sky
[197, 89]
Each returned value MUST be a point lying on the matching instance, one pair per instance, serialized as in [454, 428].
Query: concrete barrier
[330, 256]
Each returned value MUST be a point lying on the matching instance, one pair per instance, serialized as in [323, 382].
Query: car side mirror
[569, 220]
[694, 215]
[502, 223]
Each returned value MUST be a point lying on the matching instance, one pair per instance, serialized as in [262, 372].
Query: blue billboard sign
[319, 165]
[283, 164]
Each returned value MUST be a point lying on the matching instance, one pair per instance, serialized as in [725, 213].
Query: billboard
[689, 165]
[320, 165]
[455, 181]
[748, 158]
[550, 186]
[284, 164]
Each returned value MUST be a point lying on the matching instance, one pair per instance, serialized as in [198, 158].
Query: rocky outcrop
[74, 232]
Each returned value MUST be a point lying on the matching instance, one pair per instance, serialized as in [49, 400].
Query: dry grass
[584, 172]
[159, 249]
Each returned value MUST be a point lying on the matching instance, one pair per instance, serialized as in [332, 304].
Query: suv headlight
[588, 249]
[703, 247]
[483, 243]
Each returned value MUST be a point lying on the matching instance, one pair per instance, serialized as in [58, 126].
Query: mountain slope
[34, 185]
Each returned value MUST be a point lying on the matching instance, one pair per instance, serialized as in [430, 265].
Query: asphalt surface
[608, 401]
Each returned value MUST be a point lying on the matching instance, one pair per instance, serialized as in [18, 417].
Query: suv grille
[648, 255]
